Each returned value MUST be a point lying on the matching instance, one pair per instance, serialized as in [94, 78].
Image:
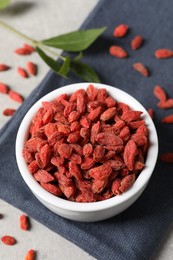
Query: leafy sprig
[73, 42]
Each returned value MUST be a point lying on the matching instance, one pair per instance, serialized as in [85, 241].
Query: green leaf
[4, 4]
[53, 64]
[84, 71]
[75, 41]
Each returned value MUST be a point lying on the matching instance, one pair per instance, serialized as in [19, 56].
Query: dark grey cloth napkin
[135, 233]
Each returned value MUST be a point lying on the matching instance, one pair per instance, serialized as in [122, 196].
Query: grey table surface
[41, 19]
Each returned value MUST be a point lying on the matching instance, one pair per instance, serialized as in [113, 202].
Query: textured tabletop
[41, 19]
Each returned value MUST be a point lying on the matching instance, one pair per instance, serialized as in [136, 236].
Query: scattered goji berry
[4, 67]
[31, 68]
[9, 111]
[31, 254]
[24, 222]
[29, 47]
[8, 240]
[168, 119]
[4, 89]
[151, 113]
[136, 42]
[167, 157]
[166, 104]
[141, 69]
[118, 52]
[15, 96]
[23, 51]
[121, 30]
[22, 72]
[163, 53]
[160, 93]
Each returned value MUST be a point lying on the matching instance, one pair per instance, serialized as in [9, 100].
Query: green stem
[10, 28]
[34, 42]
[50, 51]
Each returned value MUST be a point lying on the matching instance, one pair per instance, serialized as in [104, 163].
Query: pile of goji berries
[8, 240]
[86, 146]
[31, 69]
[136, 43]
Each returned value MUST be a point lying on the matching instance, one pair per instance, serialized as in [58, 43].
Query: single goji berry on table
[137, 42]
[4, 67]
[167, 157]
[4, 89]
[163, 53]
[9, 111]
[118, 52]
[31, 254]
[121, 30]
[24, 222]
[141, 69]
[31, 68]
[8, 240]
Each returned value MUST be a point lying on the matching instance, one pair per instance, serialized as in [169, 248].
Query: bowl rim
[53, 200]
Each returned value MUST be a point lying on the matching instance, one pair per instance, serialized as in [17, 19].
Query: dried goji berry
[137, 42]
[15, 96]
[4, 89]
[9, 111]
[166, 104]
[168, 119]
[118, 52]
[31, 254]
[141, 69]
[8, 240]
[24, 222]
[163, 53]
[127, 182]
[31, 68]
[130, 151]
[54, 189]
[22, 72]
[4, 67]
[43, 176]
[167, 157]
[29, 47]
[160, 93]
[23, 51]
[151, 113]
[121, 30]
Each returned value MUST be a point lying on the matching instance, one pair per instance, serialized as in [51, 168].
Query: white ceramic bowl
[94, 211]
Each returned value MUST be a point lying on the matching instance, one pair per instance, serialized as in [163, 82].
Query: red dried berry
[4, 67]
[121, 30]
[9, 111]
[24, 222]
[160, 93]
[141, 69]
[118, 52]
[163, 53]
[4, 89]
[22, 72]
[166, 104]
[30, 255]
[15, 96]
[136, 42]
[8, 240]
[29, 47]
[151, 113]
[167, 157]
[168, 119]
[31, 68]
[23, 51]
[81, 142]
